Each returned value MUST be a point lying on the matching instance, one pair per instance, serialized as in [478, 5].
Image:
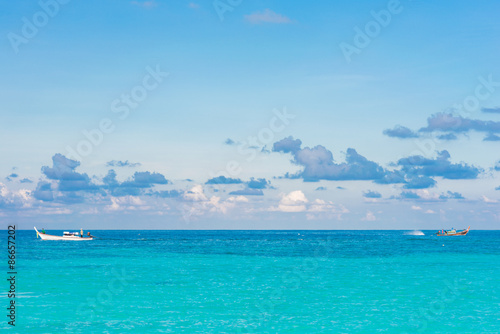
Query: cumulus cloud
[68, 186]
[400, 132]
[12, 177]
[319, 165]
[287, 145]
[441, 166]
[421, 195]
[448, 136]
[296, 201]
[43, 192]
[427, 195]
[134, 186]
[408, 195]
[267, 16]
[146, 179]
[126, 203]
[223, 180]
[319, 205]
[415, 172]
[201, 204]
[424, 195]
[119, 163]
[293, 202]
[447, 122]
[12, 200]
[70, 197]
[63, 171]
[195, 194]
[253, 187]
[452, 195]
[495, 110]
[260, 183]
[491, 137]
[419, 182]
[370, 216]
[372, 194]
[391, 177]
[488, 200]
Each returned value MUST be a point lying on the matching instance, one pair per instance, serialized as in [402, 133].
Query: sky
[234, 114]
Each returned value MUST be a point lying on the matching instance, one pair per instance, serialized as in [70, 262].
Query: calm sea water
[257, 282]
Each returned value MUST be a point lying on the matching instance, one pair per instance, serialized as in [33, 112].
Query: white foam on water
[414, 233]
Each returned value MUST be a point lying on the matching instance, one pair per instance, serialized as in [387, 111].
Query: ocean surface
[256, 282]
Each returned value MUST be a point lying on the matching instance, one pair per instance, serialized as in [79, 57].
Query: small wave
[414, 233]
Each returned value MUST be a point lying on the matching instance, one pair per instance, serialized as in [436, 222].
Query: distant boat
[452, 232]
[73, 236]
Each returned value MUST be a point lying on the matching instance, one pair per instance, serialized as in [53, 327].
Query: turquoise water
[257, 282]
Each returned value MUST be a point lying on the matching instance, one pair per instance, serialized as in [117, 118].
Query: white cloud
[293, 202]
[202, 204]
[427, 195]
[237, 199]
[15, 199]
[126, 203]
[369, 216]
[195, 194]
[3, 190]
[418, 208]
[488, 200]
[267, 16]
[326, 206]
[296, 201]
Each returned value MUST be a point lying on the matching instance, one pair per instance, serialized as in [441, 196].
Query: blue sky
[403, 133]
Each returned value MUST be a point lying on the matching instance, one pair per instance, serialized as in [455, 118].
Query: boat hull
[45, 236]
[464, 232]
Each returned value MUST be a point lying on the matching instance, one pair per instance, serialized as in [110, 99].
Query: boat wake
[414, 233]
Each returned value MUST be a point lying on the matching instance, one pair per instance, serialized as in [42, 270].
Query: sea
[255, 282]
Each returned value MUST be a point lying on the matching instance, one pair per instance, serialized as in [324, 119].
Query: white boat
[73, 236]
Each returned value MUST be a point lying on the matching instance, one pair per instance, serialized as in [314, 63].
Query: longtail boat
[452, 232]
[73, 236]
